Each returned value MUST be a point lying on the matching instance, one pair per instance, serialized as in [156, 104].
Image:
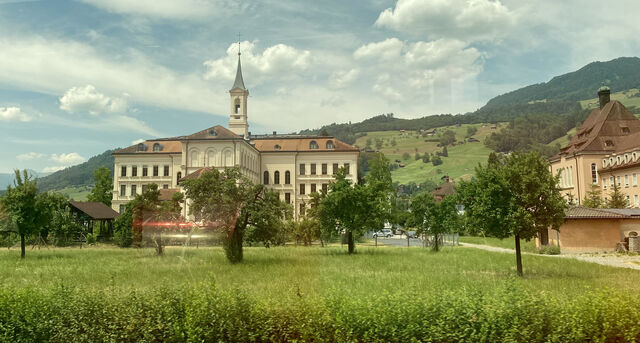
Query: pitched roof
[301, 143]
[217, 132]
[447, 188]
[196, 174]
[95, 210]
[166, 194]
[580, 212]
[605, 130]
[633, 212]
[239, 82]
[166, 146]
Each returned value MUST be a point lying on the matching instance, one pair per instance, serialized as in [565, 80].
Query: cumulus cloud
[87, 99]
[13, 114]
[279, 61]
[341, 79]
[67, 159]
[170, 9]
[29, 156]
[137, 141]
[386, 50]
[460, 19]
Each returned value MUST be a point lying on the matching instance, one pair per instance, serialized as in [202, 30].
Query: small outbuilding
[88, 214]
[595, 229]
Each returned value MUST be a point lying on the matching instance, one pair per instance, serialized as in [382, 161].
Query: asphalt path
[399, 241]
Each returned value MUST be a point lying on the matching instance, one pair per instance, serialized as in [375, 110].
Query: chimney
[446, 179]
[604, 94]
[274, 133]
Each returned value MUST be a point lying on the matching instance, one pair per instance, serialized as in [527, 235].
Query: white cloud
[53, 169]
[277, 62]
[387, 50]
[67, 159]
[341, 79]
[137, 141]
[29, 156]
[170, 9]
[13, 114]
[460, 19]
[87, 99]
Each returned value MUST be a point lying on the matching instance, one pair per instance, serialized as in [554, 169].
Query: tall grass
[319, 294]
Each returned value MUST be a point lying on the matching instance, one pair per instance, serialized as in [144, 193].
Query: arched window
[313, 145]
[141, 147]
[287, 178]
[594, 173]
[157, 147]
[194, 159]
[276, 178]
[266, 177]
[330, 145]
[211, 158]
[178, 177]
[237, 106]
[228, 158]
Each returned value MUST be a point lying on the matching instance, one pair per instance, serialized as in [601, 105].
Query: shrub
[549, 250]
[92, 238]
[436, 160]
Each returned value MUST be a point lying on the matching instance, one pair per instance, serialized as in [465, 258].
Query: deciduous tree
[434, 218]
[516, 197]
[103, 188]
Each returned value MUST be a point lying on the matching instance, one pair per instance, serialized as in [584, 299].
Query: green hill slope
[76, 176]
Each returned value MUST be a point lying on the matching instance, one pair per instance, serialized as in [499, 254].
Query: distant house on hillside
[446, 189]
[472, 140]
[430, 133]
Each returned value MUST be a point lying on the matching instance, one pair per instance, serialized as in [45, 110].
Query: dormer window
[157, 147]
[330, 145]
[277, 147]
[313, 145]
[212, 132]
[625, 130]
[608, 143]
[141, 147]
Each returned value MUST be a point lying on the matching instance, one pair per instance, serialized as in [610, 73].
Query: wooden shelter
[88, 213]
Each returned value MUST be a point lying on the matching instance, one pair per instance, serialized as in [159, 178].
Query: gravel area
[607, 259]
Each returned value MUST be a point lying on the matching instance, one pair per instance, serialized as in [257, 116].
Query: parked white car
[383, 233]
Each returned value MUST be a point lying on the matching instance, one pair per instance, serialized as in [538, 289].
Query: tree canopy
[103, 187]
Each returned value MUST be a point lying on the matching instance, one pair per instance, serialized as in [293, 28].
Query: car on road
[383, 233]
[412, 234]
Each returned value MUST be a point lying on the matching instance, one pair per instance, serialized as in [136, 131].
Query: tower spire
[239, 82]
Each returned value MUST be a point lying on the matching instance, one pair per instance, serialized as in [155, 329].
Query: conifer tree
[618, 199]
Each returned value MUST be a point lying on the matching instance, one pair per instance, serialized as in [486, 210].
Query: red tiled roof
[167, 147]
[196, 174]
[217, 132]
[166, 194]
[300, 144]
[447, 188]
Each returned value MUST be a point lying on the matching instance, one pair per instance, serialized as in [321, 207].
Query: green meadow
[311, 294]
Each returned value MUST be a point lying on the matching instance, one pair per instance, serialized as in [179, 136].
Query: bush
[92, 238]
[549, 250]
[436, 160]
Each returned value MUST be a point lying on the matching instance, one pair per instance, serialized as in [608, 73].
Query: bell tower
[238, 123]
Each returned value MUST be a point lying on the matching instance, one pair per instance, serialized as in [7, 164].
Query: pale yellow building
[293, 165]
[605, 149]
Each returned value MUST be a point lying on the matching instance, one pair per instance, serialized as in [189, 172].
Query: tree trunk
[352, 246]
[159, 246]
[435, 242]
[22, 245]
[518, 256]
[233, 248]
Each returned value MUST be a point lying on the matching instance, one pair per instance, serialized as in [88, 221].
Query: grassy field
[507, 243]
[321, 294]
[462, 160]
[628, 98]
[76, 193]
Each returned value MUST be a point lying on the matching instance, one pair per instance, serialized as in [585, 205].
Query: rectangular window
[626, 180]
[618, 181]
[325, 188]
[123, 190]
[155, 170]
[628, 201]
[604, 183]
[346, 168]
[302, 188]
[634, 179]
[166, 170]
[636, 200]
[313, 169]
[134, 170]
[302, 168]
[145, 171]
[287, 198]
[313, 187]
[122, 207]
[302, 209]
[165, 186]
[144, 188]
[324, 169]
[123, 171]
[335, 168]
[133, 190]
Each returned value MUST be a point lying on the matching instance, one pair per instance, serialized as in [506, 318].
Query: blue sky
[79, 77]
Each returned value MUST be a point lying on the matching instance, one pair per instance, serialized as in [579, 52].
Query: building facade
[605, 149]
[292, 165]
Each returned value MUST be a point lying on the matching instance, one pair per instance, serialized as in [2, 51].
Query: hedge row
[205, 313]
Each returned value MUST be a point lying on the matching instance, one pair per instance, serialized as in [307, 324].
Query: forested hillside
[79, 175]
